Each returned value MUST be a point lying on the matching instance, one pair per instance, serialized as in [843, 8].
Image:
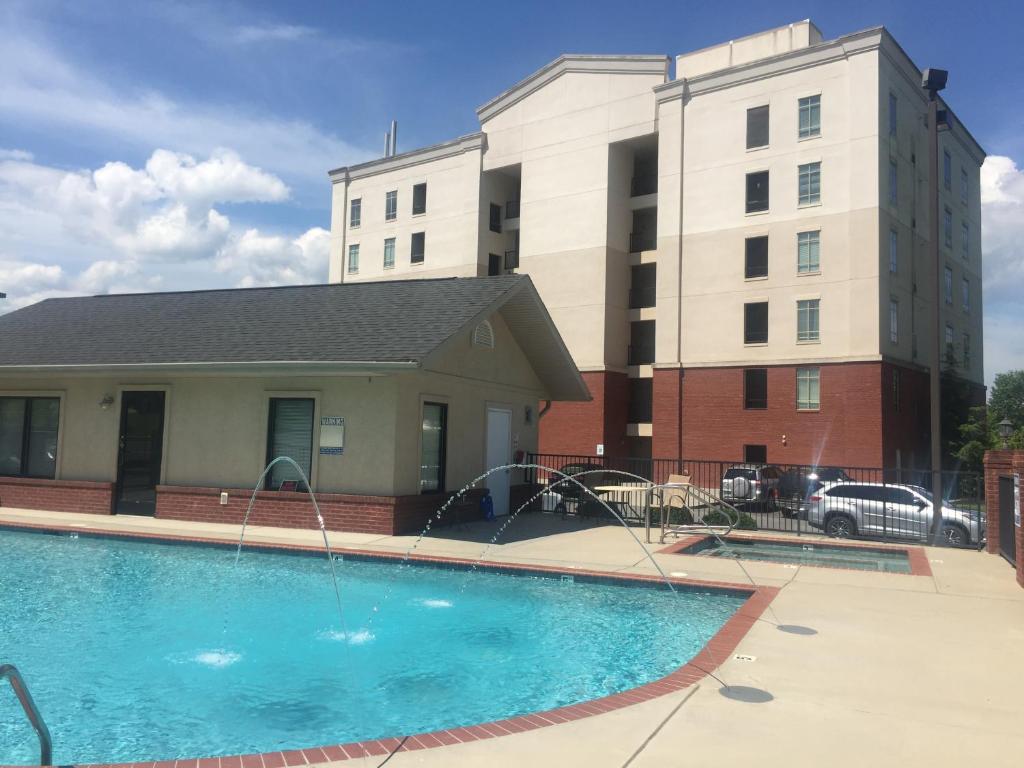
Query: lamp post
[1005, 428]
[933, 81]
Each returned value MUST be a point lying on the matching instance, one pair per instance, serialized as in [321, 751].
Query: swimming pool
[803, 553]
[138, 651]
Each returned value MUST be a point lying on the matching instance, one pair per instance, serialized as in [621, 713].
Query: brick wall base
[56, 495]
[576, 429]
[385, 515]
[999, 464]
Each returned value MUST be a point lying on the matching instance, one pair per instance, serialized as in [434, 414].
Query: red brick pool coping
[916, 556]
[714, 652]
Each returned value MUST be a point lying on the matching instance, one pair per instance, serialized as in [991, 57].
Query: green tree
[980, 431]
[1007, 398]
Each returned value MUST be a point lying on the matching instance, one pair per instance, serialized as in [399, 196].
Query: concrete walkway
[903, 670]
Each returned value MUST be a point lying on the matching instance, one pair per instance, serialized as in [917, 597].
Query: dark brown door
[140, 452]
[1007, 532]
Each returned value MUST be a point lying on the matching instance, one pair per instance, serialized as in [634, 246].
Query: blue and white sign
[1016, 499]
[332, 435]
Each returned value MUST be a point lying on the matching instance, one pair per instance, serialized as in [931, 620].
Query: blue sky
[214, 124]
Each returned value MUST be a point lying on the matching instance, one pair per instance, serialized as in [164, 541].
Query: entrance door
[139, 453]
[499, 452]
[1007, 535]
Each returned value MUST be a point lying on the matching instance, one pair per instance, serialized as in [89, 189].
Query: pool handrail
[17, 682]
[683, 491]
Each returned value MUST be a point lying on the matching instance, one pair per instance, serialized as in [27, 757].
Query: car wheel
[841, 526]
[955, 536]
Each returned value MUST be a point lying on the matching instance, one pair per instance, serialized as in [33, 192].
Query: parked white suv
[875, 509]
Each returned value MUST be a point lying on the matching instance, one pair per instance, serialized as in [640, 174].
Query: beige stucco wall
[216, 426]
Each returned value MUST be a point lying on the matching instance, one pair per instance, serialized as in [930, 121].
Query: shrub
[717, 517]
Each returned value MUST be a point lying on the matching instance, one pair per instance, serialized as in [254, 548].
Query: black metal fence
[861, 502]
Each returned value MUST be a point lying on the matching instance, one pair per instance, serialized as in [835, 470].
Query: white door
[499, 452]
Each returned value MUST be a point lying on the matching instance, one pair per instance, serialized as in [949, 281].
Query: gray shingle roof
[385, 322]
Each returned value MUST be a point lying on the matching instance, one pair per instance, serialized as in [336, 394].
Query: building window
[389, 253]
[810, 116]
[290, 433]
[808, 389]
[947, 169]
[949, 341]
[757, 127]
[894, 321]
[28, 436]
[433, 447]
[417, 249]
[493, 264]
[893, 114]
[809, 184]
[355, 212]
[495, 220]
[755, 323]
[755, 388]
[755, 454]
[808, 251]
[641, 343]
[965, 294]
[390, 206]
[894, 178]
[947, 227]
[965, 239]
[948, 284]
[757, 192]
[756, 257]
[353, 259]
[641, 400]
[896, 389]
[894, 251]
[419, 198]
[964, 184]
[807, 328]
[967, 351]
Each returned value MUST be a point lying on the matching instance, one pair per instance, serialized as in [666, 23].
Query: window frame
[391, 205]
[812, 107]
[747, 308]
[947, 284]
[947, 226]
[747, 253]
[423, 248]
[392, 242]
[749, 402]
[755, 113]
[355, 212]
[442, 479]
[272, 401]
[808, 404]
[352, 267]
[813, 245]
[894, 321]
[809, 308]
[494, 218]
[812, 171]
[950, 339]
[749, 459]
[26, 434]
[894, 183]
[965, 240]
[749, 201]
[894, 251]
[965, 294]
[423, 209]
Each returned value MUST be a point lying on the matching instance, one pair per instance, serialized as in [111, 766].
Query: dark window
[290, 433]
[898, 496]
[641, 342]
[640, 400]
[755, 388]
[756, 257]
[418, 247]
[355, 212]
[755, 323]
[493, 264]
[757, 191]
[755, 454]
[757, 127]
[419, 198]
[433, 446]
[643, 282]
[644, 236]
[495, 223]
[638, 447]
[28, 436]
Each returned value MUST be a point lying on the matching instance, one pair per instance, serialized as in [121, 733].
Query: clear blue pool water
[140, 651]
[805, 553]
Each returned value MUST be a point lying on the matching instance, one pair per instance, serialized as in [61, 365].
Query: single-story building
[389, 395]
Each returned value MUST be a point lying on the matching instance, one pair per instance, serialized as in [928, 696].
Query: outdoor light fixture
[1005, 428]
[106, 402]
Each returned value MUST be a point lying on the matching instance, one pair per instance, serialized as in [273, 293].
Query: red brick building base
[1001, 464]
[577, 429]
[56, 495]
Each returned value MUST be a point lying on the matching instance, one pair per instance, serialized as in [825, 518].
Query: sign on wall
[1016, 499]
[332, 435]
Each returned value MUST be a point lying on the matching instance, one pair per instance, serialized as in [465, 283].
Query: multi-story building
[737, 256]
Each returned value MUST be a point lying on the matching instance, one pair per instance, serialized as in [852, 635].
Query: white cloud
[15, 154]
[271, 33]
[276, 260]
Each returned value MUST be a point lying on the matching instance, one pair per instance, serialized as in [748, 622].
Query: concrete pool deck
[904, 669]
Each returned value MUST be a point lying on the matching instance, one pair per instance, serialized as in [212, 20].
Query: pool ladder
[11, 673]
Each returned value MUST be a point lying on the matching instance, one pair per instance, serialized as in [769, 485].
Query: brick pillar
[667, 416]
[997, 463]
[1018, 467]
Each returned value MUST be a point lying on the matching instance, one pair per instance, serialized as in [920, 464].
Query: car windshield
[732, 472]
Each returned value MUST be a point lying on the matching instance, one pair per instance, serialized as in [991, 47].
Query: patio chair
[677, 500]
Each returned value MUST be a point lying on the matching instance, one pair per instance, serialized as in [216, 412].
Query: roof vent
[483, 335]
